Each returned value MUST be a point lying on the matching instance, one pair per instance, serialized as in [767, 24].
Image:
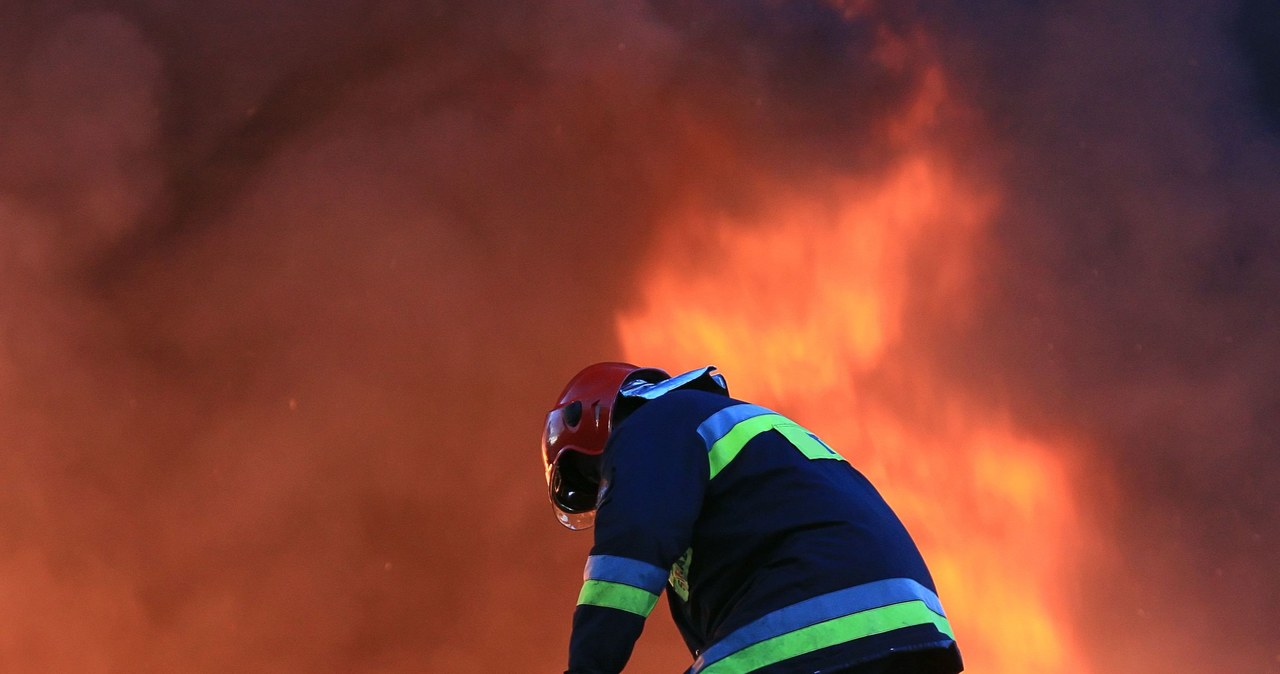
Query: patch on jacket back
[679, 577]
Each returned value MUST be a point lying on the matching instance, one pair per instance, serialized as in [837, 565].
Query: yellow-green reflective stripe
[804, 441]
[619, 596]
[829, 633]
[726, 448]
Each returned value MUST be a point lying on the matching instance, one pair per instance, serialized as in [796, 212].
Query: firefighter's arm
[654, 478]
[603, 638]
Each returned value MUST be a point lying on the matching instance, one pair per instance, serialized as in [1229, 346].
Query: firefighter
[776, 555]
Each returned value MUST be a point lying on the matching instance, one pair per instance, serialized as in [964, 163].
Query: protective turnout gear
[777, 556]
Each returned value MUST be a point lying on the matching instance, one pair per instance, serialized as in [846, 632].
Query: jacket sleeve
[654, 477]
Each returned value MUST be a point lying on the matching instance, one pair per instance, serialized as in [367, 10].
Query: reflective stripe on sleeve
[618, 596]
[626, 571]
[823, 621]
[622, 583]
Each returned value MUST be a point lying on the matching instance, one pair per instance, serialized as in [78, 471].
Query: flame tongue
[806, 310]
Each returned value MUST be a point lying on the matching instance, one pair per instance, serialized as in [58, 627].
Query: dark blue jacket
[776, 554]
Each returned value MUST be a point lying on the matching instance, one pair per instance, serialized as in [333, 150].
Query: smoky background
[288, 287]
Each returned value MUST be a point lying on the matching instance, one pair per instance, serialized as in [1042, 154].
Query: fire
[807, 308]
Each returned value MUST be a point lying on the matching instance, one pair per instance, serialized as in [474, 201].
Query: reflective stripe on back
[823, 621]
[726, 432]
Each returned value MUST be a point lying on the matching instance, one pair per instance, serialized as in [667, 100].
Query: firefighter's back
[796, 563]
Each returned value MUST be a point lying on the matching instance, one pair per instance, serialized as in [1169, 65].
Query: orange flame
[806, 308]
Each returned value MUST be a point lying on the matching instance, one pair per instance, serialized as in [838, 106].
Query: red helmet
[577, 429]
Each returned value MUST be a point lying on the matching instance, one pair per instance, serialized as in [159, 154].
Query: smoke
[288, 286]
[286, 290]
[1136, 276]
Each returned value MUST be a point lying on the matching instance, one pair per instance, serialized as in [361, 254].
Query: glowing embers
[823, 305]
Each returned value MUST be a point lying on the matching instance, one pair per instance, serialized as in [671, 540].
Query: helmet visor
[573, 482]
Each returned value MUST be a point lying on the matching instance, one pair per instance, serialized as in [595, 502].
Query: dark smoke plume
[287, 287]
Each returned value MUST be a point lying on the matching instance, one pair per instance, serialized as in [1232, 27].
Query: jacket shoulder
[684, 409]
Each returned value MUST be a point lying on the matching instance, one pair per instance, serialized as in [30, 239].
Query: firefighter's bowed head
[575, 434]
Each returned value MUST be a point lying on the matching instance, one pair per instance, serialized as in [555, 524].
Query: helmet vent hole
[573, 414]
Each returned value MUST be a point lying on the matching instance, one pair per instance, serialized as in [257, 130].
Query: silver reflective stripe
[627, 571]
[642, 389]
[719, 424]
